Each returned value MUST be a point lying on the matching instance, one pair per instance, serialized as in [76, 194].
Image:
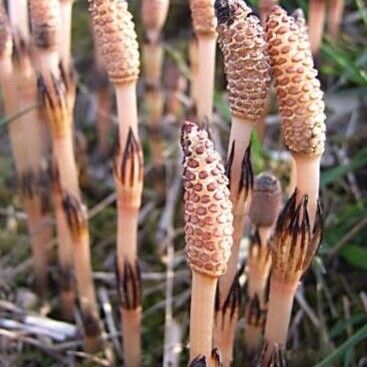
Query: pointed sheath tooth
[267, 194]
[76, 215]
[295, 243]
[52, 95]
[45, 22]
[208, 209]
[129, 285]
[273, 355]
[246, 61]
[6, 43]
[154, 14]
[129, 171]
[115, 34]
[203, 17]
[299, 95]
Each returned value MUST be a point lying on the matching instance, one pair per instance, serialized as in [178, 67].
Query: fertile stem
[247, 68]
[299, 227]
[208, 232]
[117, 43]
[202, 315]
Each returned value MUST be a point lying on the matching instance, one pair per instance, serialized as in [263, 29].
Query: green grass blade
[344, 348]
[333, 174]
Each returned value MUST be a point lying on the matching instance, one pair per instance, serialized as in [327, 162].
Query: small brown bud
[266, 200]
[208, 209]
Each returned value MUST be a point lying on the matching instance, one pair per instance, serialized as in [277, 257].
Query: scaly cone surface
[116, 37]
[208, 217]
[246, 62]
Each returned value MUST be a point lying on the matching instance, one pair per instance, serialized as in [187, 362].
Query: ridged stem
[202, 315]
[206, 71]
[127, 110]
[127, 236]
[279, 312]
[66, 9]
[40, 232]
[308, 182]
[131, 319]
[18, 14]
[64, 154]
[65, 258]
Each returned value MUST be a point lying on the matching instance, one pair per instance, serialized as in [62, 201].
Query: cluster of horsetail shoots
[208, 232]
[154, 14]
[299, 227]
[246, 64]
[217, 198]
[116, 38]
[204, 23]
[266, 194]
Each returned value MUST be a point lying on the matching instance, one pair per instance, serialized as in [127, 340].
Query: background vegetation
[329, 326]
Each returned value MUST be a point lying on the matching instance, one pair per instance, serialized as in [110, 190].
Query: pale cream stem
[206, 71]
[64, 154]
[131, 320]
[240, 134]
[64, 43]
[35, 222]
[65, 254]
[279, 311]
[126, 109]
[292, 178]
[226, 281]
[18, 14]
[127, 223]
[83, 273]
[202, 315]
[47, 61]
[265, 234]
[11, 105]
[308, 182]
